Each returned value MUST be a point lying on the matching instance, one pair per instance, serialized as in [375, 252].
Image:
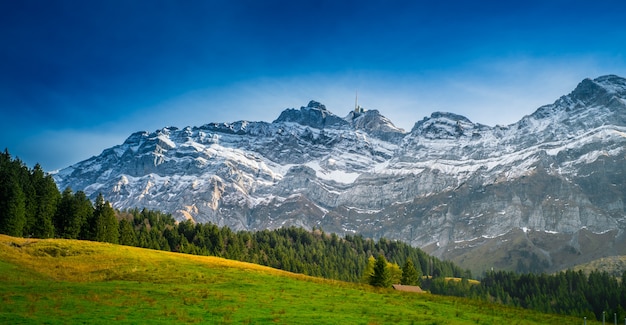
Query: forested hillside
[569, 292]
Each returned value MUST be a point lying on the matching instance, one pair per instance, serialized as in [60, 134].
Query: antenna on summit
[357, 108]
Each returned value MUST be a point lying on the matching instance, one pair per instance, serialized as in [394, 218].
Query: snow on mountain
[446, 182]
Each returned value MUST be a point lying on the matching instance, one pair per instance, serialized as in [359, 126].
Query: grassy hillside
[614, 265]
[70, 281]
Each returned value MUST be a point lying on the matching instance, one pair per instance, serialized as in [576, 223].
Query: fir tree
[381, 276]
[12, 198]
[46, 197]
[106, 225]
[127, 233]
[63, 213]
[410, 276]
[72, 214]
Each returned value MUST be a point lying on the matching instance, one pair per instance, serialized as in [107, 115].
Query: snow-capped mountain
[540, 194]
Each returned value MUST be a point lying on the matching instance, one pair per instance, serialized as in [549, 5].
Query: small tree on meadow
[381, 276]
[395, 273]
[410, 276]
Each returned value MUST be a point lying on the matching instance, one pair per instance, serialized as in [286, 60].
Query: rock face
[541, 194]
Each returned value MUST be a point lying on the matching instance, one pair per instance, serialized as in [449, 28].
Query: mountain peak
[443, 125]
[314, 115]
[589, 91]
[375, 124]
[612, 83]
[593, 103]
[317, 105]
[450, 116]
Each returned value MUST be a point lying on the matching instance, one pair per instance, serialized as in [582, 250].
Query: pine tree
[106, 225]
[381, 276]
[63, 213]
[12, 207]
[45, 203]
[410, 275]
[72, 213]
[24, 180]
[127, 233]
[12, 199]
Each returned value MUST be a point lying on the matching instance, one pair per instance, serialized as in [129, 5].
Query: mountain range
[542, 194]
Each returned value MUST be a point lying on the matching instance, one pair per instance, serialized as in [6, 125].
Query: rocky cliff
[541, 194]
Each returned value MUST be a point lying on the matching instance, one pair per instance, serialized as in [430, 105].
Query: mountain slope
[449, 185]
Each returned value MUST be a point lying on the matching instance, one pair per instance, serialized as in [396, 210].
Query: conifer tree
[46, 197]
[381, 276]
[127, 233]
[410, 276]
[72, 214]
[63, 214]
[106, 225]
[24, 180]
[12, 199]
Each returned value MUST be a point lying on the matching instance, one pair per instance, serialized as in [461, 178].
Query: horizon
[78, 78]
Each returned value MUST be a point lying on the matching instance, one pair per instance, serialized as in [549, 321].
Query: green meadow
[79, 282]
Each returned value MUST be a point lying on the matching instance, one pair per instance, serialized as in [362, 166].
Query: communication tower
[357, 109]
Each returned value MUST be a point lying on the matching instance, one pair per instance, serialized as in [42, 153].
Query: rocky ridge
[536, 188]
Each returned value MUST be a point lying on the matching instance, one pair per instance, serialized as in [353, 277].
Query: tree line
[568, 292]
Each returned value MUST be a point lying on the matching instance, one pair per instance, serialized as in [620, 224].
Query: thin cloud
[494, 92]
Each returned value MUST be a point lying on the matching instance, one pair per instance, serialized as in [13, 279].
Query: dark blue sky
[77, 77]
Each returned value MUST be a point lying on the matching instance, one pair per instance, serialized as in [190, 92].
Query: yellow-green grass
[70, 281]
[470, 281]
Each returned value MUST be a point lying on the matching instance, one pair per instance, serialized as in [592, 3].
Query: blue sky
[77, 77]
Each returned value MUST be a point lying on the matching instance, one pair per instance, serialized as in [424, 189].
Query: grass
[70, 282]
[614, 265]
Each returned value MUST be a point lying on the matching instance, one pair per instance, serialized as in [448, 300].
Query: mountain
[541, 194]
